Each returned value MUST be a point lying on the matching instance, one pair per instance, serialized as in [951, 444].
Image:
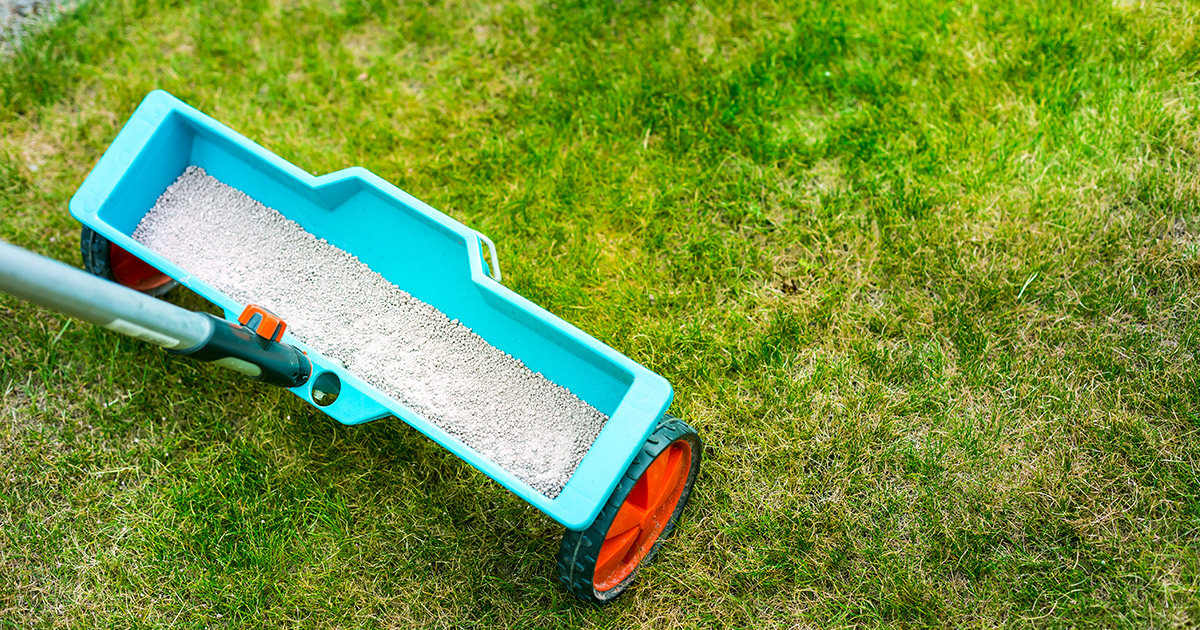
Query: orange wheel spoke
[614, 550]
[640, 495]
[655, 479]
[663, 486]
[629, 517]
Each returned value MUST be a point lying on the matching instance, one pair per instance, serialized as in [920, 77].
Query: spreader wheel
[599, 563]
[102, 258]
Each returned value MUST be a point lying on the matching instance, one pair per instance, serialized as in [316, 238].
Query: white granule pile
[408, 349]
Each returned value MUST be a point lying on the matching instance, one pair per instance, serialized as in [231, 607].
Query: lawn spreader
[626, 493]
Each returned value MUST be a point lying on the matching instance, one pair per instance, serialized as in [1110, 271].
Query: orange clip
[264, 323]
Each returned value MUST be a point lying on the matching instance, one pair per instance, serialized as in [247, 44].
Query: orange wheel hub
[133, 272]
[643, 515]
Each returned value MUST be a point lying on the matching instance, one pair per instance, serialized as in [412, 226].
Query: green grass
[924, 275]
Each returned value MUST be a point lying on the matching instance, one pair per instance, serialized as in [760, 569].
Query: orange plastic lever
[264, 323]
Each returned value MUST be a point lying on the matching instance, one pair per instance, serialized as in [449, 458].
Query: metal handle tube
[200, 336]
[62, 288]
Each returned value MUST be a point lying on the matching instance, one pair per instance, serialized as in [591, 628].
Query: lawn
[924, 276]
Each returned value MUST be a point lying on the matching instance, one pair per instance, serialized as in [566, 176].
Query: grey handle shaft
[62, 288]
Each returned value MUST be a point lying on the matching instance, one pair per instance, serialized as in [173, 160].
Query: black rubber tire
[96, 249]
[577, 555]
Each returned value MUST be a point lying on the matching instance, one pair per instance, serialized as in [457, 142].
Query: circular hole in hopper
[326, 388]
